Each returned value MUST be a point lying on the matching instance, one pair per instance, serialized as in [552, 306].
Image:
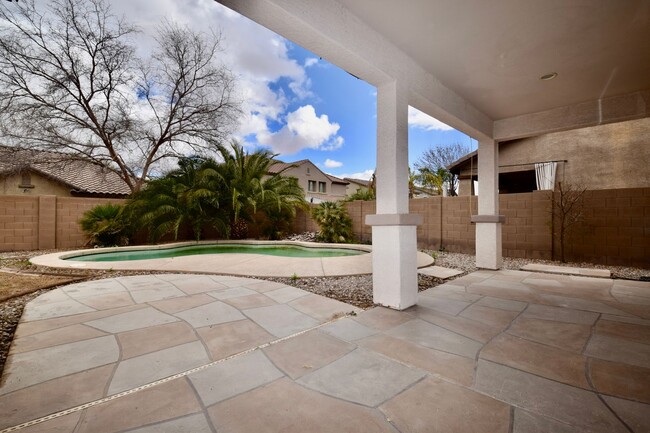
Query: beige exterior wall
[309, 172]
[620, 160]
[11, 185]
[352, 187]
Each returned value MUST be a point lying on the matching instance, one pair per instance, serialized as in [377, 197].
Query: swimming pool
[270, 250]
[256, 258]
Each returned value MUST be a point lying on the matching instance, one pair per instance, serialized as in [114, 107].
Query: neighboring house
[620, 160]
[318, 186]
[356, 185]
[50, 173]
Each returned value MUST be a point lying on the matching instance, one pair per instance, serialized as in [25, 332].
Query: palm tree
[249, 189]
[189, 195]
[105, 225]
[433, 180]
[334, 222]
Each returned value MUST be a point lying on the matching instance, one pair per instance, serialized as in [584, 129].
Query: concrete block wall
[69, 211]
[18, 223]
[527, 230]
[616, 228]
[43, 222]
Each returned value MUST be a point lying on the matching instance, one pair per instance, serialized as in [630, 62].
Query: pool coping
[250, 264]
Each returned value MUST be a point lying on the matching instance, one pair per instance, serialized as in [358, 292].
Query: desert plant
[334, 222]
[188, 196]
[361, 194]
[105, 225]
[567, 213]
[248, 189]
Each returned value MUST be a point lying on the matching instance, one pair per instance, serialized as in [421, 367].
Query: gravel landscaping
[355, 290]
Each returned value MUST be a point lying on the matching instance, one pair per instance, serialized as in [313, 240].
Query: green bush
[361, 194]
[334, 222]
[105, 225]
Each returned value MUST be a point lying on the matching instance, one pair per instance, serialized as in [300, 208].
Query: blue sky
[294, 103]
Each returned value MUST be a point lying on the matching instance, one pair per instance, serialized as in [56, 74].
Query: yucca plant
[105, 225]
[334, 222]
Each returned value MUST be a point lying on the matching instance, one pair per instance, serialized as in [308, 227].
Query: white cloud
[257, 56]
[364, 175]
[310, 61]
[303, 130]
[418, 119]
[330, 163]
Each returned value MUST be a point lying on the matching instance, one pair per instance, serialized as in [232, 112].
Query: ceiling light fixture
[547, 77]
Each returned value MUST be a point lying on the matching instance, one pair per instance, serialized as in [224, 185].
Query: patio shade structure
[482, 68]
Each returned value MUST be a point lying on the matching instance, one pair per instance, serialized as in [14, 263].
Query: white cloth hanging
[545, 175]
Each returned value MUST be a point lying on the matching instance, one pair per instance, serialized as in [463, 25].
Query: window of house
[26, 180]
[321, 187]
[307, 170]
[311, 185]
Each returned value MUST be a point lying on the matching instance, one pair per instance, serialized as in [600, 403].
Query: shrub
[361, 194]
[334, 222]
[105, 225]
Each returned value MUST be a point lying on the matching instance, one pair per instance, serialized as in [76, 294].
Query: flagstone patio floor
[492, 351]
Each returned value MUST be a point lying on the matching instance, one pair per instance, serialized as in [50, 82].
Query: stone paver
[306, 353]
[37, 366]
[567, 336]
[362, 377]
[143, 369]
[546, 397]
[132, 320]
[439, 272]
[567, 270]
[233, 337]
[284, 406]
[556, 364]
[433, 406]
[504, 351]
[234, 376]
[281, 320]
[432, 336]
[348, 330]
[210, 314]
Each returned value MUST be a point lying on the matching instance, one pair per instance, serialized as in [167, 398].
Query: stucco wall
[611, 156]
[308, 171]
[10, 185]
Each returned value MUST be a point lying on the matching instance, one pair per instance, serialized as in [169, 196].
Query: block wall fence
[43, 222]
[615, 231]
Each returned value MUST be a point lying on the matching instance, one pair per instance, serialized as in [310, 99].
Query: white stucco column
[394, 243]
[488, 221]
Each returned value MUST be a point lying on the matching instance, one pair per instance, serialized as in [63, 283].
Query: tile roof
[280, 166]
[335, 179]
[82, 176]
[361, 182]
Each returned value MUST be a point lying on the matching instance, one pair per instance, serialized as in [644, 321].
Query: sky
[293, 102]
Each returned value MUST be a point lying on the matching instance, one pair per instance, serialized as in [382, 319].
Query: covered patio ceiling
[477, 66]
[483, 60]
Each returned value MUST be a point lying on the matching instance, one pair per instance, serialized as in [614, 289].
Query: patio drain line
[160, 381]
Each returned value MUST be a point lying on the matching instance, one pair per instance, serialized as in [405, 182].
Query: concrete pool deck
[254, 265]
[492, 351]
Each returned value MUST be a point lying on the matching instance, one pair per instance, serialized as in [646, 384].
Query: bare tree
[436, 159]
[567, 213]
[70, 81]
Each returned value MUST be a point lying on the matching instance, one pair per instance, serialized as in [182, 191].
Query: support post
[488, 221]
[394, 242]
